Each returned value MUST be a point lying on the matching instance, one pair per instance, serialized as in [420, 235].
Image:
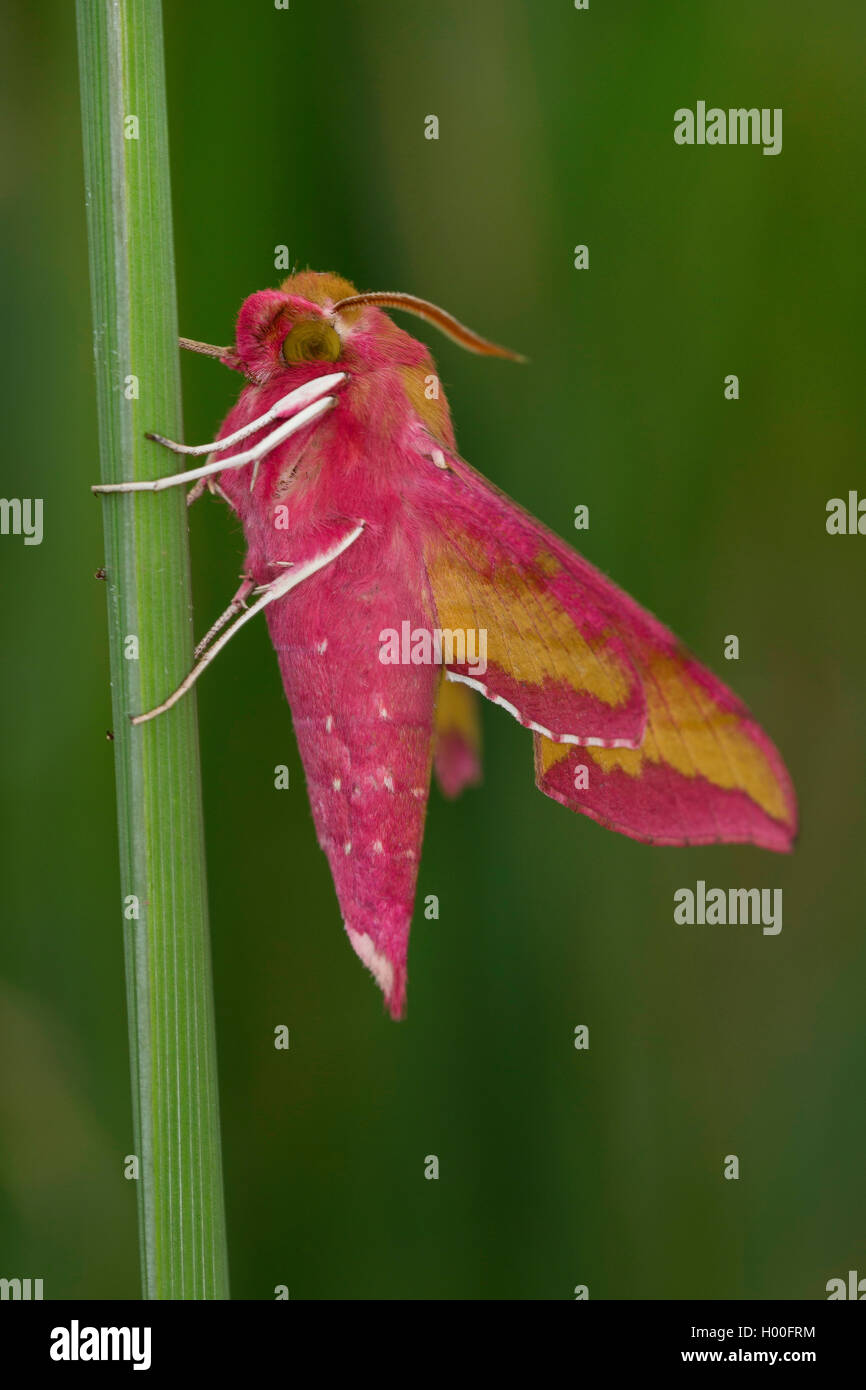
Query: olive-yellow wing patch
[705, 773]
[518, 624]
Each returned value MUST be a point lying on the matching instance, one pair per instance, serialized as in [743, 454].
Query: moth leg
[309, 400]
[237, 604]
[285, 406]
[258, 451]
[196, 491]
[202, 484]
[284, 582]
[216, 491]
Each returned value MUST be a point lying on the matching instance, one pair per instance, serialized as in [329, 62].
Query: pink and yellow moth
[362, 519]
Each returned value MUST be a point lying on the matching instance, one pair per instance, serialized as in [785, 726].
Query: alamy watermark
[422, 646]
[77, 1343]
[738, 125]
[733, 907]
[22, 516]
[23, 1289]
[854, 1287]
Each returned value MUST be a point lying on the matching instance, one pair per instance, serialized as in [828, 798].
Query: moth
[362, 521]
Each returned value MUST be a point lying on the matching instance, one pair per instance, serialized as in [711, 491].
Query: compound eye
[312, 340]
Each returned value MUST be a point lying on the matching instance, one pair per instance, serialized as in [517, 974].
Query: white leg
[196, 491]
[286, 405]
[258, 451]
[237, 604]
[276, 589]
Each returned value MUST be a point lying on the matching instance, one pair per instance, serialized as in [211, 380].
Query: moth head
[278, 330]
[312, 317]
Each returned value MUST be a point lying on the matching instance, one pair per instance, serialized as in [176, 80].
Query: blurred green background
[305, 127]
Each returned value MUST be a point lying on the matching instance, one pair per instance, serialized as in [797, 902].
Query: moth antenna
[276, 589]
[445, 322]
[206, 349]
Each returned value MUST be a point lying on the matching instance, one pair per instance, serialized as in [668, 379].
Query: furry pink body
[364, 728]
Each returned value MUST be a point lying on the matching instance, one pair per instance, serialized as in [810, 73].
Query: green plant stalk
[162, 869]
